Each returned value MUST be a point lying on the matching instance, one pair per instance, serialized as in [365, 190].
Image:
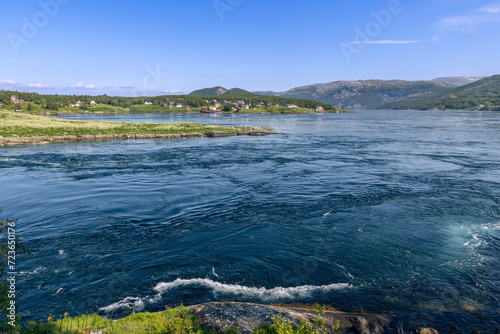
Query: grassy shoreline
[21, 129]
[140, 109]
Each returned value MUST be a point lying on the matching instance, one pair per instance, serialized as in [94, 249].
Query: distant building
[320, 110]
[14, 99]
[179, 106]
[290, 106]
[148, 103]
[92, 102]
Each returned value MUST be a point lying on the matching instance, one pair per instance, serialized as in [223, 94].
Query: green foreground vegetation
[177, 320]
[22, 125]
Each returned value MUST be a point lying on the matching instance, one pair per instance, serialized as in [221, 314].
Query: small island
[22, 129]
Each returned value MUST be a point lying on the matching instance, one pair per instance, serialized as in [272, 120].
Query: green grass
[177, 320]
[172, 321]
[22, 125]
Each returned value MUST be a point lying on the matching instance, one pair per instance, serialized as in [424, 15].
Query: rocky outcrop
[427, 331]
[246, 317]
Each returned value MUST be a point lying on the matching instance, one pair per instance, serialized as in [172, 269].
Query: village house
[92, 102]
[77, 104]
[148, 103]
[14, 99]
[290, 106]
[320, 110]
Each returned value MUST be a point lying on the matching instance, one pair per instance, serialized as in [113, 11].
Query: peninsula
[22, 129]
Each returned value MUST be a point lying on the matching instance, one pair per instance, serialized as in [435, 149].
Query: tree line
[54, 102]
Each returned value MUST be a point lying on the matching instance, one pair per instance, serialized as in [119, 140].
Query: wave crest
[138, 304]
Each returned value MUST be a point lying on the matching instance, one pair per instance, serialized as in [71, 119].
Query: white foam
[34, 272]
[135, 304]
[214, 273]
[263, 293]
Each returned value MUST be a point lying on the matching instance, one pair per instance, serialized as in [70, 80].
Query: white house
[148, 103]
[290, 106]
[92, 102]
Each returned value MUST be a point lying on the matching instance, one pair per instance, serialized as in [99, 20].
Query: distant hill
[266, 93]
[219, 91]
[458, 81]
[366, 94]
[483, 94]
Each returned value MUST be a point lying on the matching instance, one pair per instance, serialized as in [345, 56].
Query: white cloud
[493, 8]
[173, 91]
[8, 82]
[80, 85]
[385, 42]
[37, 85]
[469, 22]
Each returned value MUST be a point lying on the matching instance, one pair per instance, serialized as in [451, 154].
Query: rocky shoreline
[40, 140]
[247, 316]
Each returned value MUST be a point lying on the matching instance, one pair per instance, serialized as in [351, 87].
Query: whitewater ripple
[265, 294]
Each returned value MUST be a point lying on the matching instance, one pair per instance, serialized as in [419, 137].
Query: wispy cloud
[493, 8]
[386, 42]
[470, 21]
[8, 82]
[173, 91]
[37, 85]
[80, 85]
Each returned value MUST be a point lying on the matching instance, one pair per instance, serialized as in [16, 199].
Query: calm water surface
[386, 211]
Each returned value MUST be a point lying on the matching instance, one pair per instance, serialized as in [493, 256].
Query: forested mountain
[366, 94]
[219, 91]
[483, 95]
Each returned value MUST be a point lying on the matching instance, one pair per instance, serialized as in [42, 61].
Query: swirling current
[386, 211]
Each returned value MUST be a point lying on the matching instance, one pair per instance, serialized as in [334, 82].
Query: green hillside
[480, 95]
[38, 103]
[368, 94]
[219, 91]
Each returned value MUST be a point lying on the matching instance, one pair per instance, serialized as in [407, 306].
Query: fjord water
[386, 211]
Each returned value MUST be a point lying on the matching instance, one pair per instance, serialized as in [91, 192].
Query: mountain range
[443, 92]
[373, 94]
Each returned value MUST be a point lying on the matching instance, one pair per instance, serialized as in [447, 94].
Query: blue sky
[157, 47]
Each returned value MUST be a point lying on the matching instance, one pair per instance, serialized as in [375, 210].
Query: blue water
[386, 211]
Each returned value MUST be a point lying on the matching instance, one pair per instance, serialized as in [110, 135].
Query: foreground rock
[246, 316]
[19, 141]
